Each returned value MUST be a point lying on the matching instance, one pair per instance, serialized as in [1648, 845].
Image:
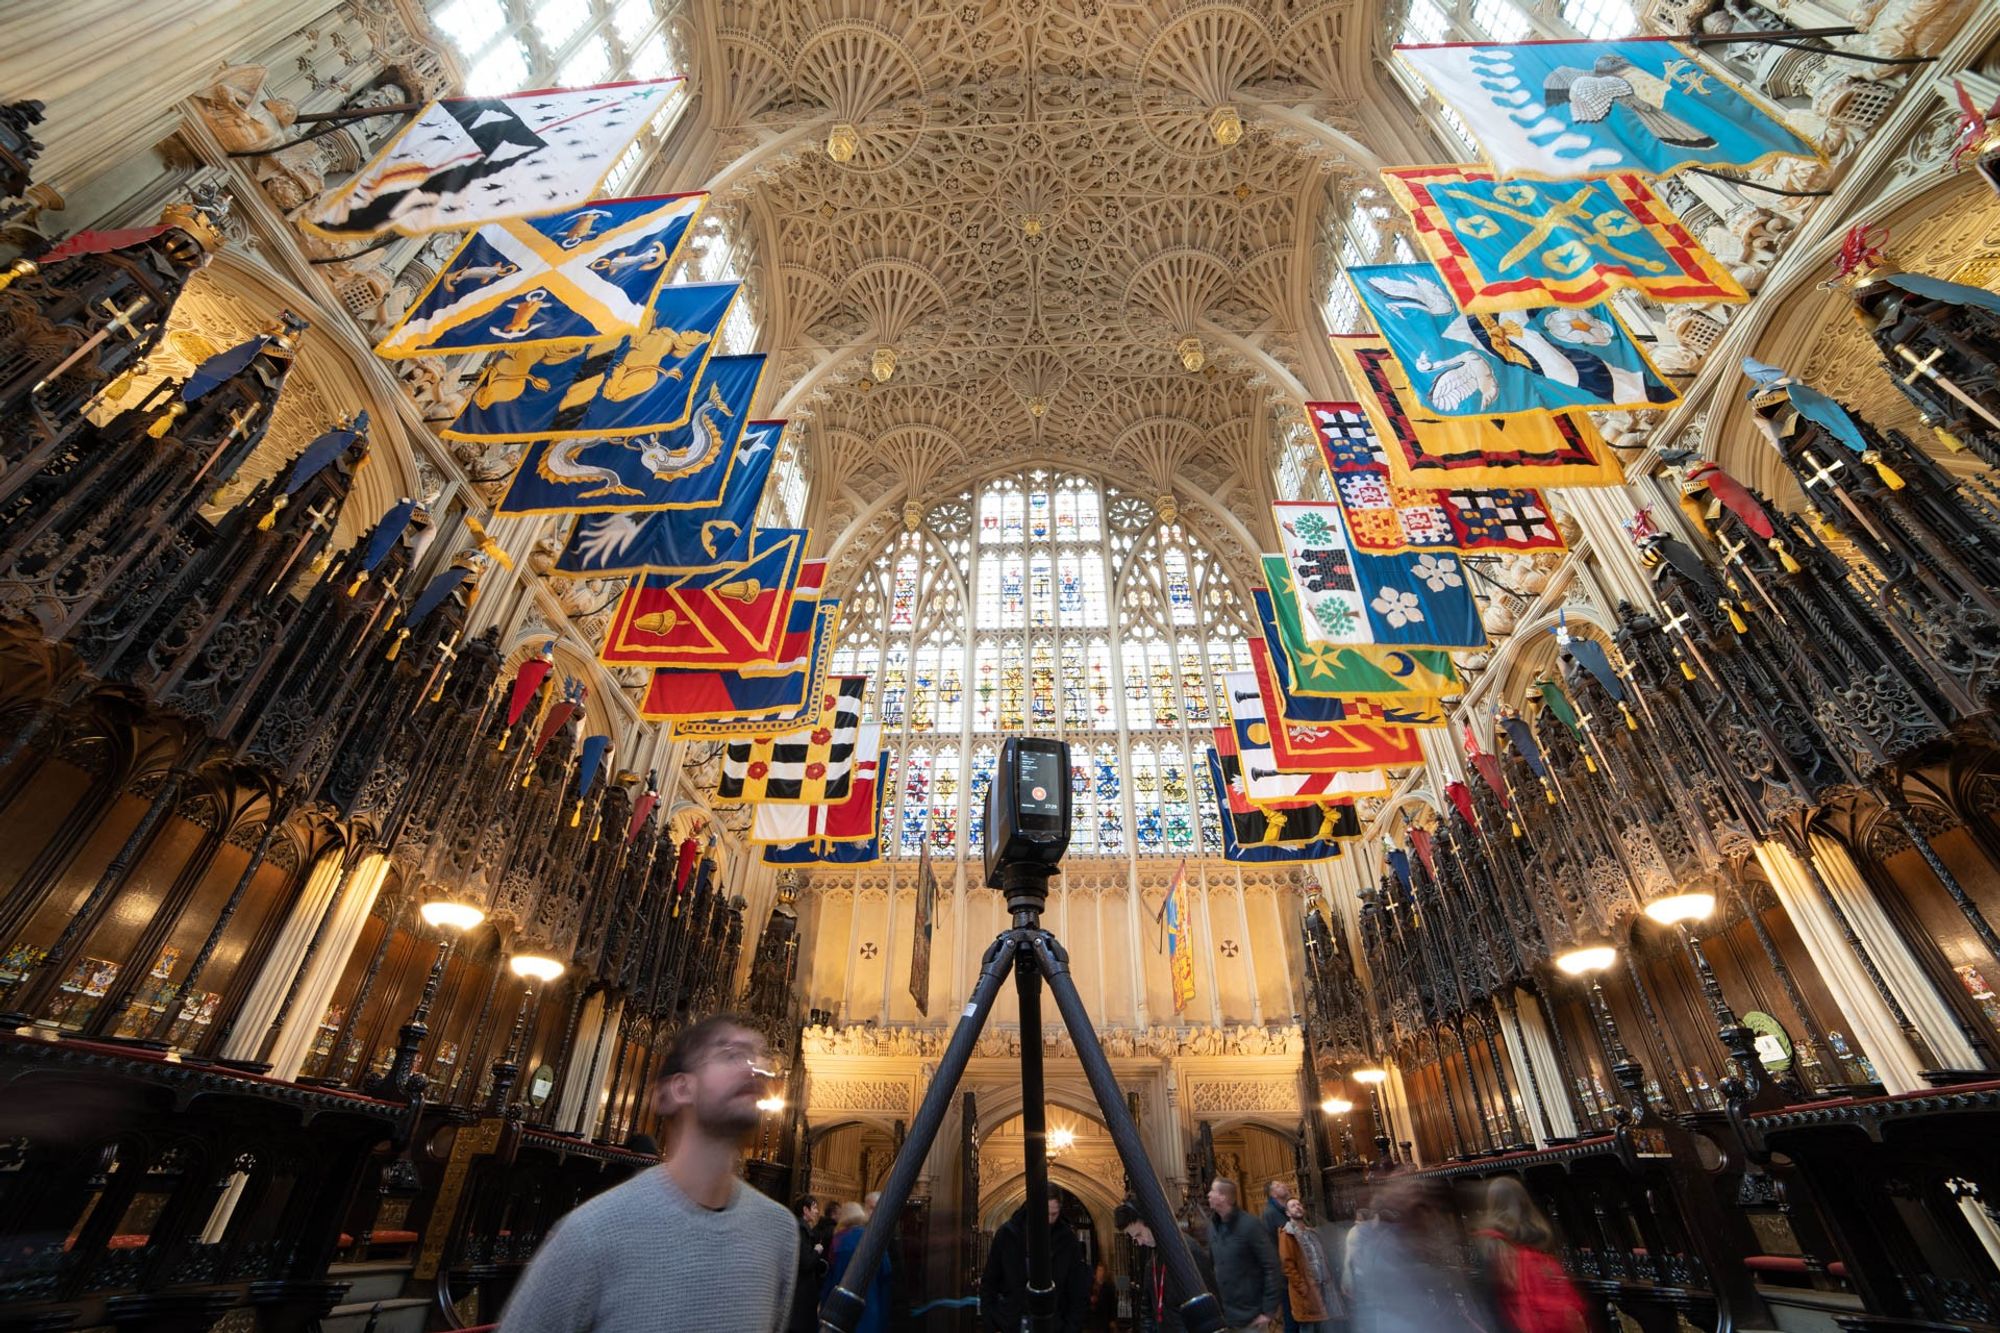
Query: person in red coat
[1516, 1241]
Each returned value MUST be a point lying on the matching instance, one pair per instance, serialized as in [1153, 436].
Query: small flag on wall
[1180, 942]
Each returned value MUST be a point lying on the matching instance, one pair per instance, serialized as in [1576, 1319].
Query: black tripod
[1031, 953]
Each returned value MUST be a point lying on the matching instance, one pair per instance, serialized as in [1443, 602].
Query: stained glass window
[944, 801]
[1000, 619]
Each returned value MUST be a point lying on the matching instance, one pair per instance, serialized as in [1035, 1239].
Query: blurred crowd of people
[1413, 1260]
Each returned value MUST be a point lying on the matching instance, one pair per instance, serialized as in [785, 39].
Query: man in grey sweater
[684, 1245]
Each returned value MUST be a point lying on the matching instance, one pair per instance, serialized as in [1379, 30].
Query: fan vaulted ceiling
[1037, 213]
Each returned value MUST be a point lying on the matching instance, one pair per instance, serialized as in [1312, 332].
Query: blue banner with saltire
[630, 543]
[1520, 244]
[585, 274]
[680, 467]
[1508, 362]
[1345, 597]
[1561, 110]
[646, 382]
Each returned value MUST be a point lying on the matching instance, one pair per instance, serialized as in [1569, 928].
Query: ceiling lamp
[1586, 959]
[1678, 907]
[534, 967]
[1370, 1076]
[841, 141]
[1061, 1140]
[883, 364]
[1170, 509]
[1226, 125]
[448, 915]
[1190, 353]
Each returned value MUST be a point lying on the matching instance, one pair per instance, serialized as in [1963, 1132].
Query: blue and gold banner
[1512, 362]
[637, 385]
[1518, 244]
[680, 467]
[1424, 449]
[632, 543]
[1564, 110]
[585, 274]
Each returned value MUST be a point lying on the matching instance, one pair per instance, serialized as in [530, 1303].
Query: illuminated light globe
[1370, 1077]
[1336, 1106]
[451, 916]
[534, 967]
[1589, 958]
[1679, 907]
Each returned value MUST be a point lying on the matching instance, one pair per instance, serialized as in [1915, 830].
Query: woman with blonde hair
[1517, 1243]
[850, 1220]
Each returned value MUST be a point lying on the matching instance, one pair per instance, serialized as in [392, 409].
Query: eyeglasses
[753, 1054]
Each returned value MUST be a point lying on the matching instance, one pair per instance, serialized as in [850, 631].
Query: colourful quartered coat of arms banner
[1515, 244]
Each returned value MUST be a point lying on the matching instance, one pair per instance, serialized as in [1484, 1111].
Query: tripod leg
[1034, 1148]
[843, 1308]
[1199, 1311]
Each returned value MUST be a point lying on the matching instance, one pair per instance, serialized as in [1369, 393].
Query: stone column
[111, 73]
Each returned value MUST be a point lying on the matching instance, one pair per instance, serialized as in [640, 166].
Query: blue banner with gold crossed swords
[646, 382]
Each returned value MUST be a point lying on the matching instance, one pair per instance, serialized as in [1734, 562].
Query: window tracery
[1047, 603]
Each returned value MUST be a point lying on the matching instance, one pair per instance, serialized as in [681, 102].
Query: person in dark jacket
[1156, 1301]
[1003, 1291]
[1248, 1280]
[812, 1268]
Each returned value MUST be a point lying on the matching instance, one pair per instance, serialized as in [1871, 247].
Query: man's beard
[723, 1120]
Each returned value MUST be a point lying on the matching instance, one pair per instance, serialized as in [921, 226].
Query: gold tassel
[1274, 826]
[1631, 723]
[121, 384]
[576, 815]
[1589, 763]
[1784, 556]
[1873, 458]
[320, 562]
[1735, 620]
[1823, 528]
[1949, 441]
[437, 695]
[270, 519]
[1686, 670]
[165, 421]
[396, 648]
[20, 268]
[359, 579]
[1549, 790]
[1513, 827]
[503, 739]
[528, 776]
[1326, 825]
